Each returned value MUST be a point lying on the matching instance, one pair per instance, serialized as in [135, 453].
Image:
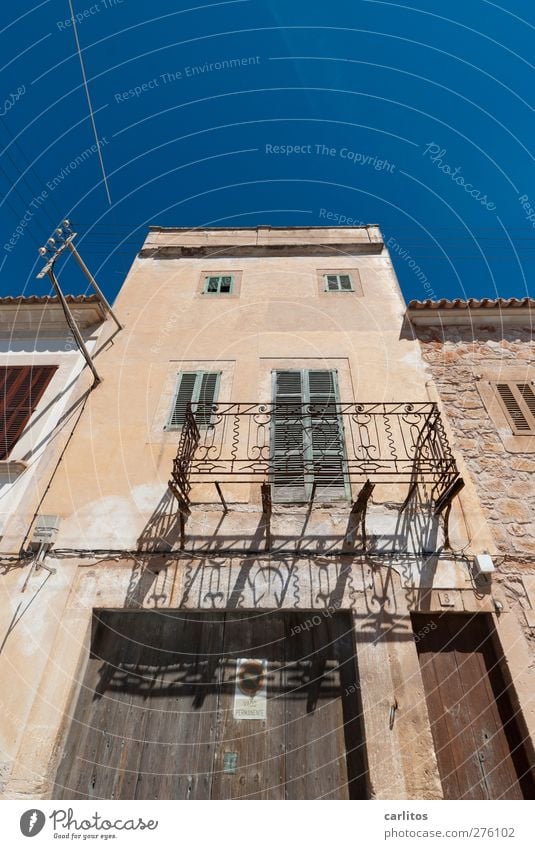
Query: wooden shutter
[308, 446]
[184, 396]
[198, 388]
[526, 390]
[207, 390]
[325, 435]
[518, 400]
[287, 437]
[21, 388]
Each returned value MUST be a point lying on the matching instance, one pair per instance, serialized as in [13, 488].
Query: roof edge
[519, 311]
[28, 300]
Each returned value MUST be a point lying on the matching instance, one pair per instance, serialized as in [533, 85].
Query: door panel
[177, 754]
[477, 736]
[257, 744]
[155, 715]
[316, 764]
[144, 723]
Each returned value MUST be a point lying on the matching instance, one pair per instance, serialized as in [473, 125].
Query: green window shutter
[512, 406]
[198, 388]
[184, 396]
[326, 441]
[207, 391]
[287, 437]
[308, 444]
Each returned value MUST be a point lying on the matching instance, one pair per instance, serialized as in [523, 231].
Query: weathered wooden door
[477, 735]
[156, 715]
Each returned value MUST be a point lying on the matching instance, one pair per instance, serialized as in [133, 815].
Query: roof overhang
[176, 242]
[36, 316]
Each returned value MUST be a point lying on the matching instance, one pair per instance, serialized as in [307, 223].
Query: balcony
[325, 452]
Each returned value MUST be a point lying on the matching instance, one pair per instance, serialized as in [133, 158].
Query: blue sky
[416, 116]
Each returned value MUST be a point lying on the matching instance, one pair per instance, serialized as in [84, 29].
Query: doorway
[477, 733]
[181, 705]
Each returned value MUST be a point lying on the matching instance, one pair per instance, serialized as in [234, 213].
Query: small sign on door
[250, 693]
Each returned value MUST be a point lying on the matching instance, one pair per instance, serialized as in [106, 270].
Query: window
[518, 401]
[219, 285]
[330, 280]
[198, 388]
[338, 283]
[21, 389]
[307, 437]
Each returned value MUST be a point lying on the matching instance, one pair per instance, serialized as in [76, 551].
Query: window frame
[338, 276]
[219, 278]
[199, 373]
[353, 272]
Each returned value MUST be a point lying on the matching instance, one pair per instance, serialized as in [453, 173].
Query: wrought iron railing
[307, 449]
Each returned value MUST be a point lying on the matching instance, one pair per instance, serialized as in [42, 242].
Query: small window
[219, 285]
[518, 401]
[338, 283]
[198, 388]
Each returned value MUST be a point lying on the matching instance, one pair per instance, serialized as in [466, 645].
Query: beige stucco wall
[38, 335]
[120, 459]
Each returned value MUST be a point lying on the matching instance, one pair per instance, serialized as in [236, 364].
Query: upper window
[338, 283]
[21, 389]
[219, 285]
[198, 388]
[518, 402]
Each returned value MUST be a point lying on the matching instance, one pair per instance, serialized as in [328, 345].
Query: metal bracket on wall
[443, 505]
[221, 496]
[358, 513]
[266, 510]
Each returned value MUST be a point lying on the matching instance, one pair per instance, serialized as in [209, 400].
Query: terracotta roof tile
[46, 299]
[473, 304]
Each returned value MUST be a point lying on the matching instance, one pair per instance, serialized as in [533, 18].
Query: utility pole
[51, 253]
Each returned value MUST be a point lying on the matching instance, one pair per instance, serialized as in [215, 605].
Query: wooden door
[144, 725]
[156, 719]
[477, 735]
[256, 747]
[325, 756]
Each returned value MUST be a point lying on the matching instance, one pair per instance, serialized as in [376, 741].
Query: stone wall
[459, 358]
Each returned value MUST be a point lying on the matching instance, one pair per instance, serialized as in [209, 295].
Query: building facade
[43, 388]
[481, 358]
[272, 557]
